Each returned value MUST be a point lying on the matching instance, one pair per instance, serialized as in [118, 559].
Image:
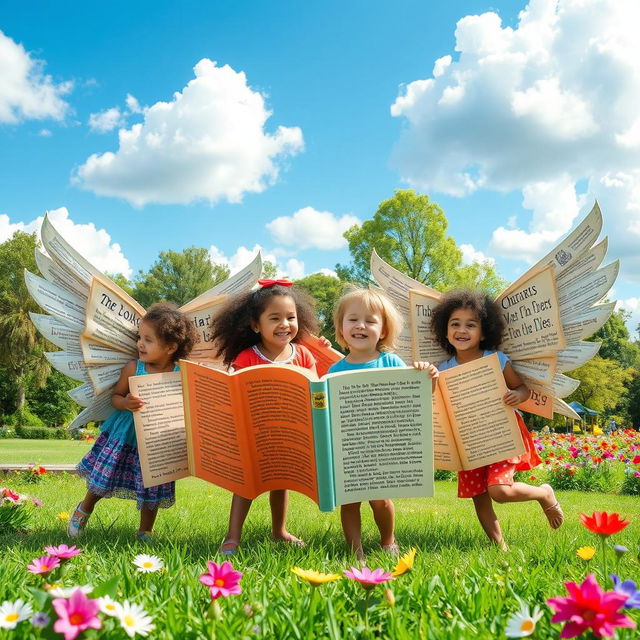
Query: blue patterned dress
[112, 467]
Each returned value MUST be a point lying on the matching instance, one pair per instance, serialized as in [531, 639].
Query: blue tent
[581, 410]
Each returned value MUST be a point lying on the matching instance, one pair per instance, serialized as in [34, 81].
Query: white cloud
[106, 120]
[471, 255]
[208, 143]
[309, 227]
[94, 244]
[540, 107]
[292, 268]
[26, 93]
[133, 105]
[328, 272]
[45, 133]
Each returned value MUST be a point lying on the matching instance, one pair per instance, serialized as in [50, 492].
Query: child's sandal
[145, 536]
[392, 549]
[77, 522]
[232, 547]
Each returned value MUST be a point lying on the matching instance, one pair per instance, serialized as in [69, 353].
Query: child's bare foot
[289, 538]
[360, 557]
[502, 545]
[392, 549]
[551, 508]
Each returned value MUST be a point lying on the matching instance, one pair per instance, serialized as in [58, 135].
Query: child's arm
[121, 399]
[518, 390]
[431, 369]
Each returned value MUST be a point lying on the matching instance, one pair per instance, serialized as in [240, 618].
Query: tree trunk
[20, 394]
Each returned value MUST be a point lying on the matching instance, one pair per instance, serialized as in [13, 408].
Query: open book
[472, 426]
[348, 437]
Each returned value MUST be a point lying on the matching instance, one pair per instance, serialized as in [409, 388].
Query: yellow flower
[315, 577]
[405, 563]
[597, 431]
[576, 429]
[586, 553]
[63, 515]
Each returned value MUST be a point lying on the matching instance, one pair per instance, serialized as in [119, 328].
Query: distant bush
[42, 433]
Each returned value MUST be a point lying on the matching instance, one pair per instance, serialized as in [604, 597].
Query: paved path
[51, 468]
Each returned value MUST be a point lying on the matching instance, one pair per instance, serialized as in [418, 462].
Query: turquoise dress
[112, 467]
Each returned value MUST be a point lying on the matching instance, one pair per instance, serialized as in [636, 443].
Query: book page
[486, 429]
[445, 450]
[532, 315]
[53, 273]
[56, 301]
[424, 345]
[381, 434]
[57, 332]
[280, 427]
[325, 356]
[218, 445]
[160, 432]
[201, 318]
[112, 319]
[96, 353]
[540, 369]
[581, 294]
[587, 323]
[575, 355]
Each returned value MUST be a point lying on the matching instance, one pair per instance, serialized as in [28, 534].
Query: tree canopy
[409, 231]
[178, 277]
[325, 290]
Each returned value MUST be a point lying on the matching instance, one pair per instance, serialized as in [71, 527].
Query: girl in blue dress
[112, 467]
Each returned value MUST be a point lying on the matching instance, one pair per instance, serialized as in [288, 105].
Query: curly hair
[172, 327]
[231, 328]
[377, 302]
[488, 313]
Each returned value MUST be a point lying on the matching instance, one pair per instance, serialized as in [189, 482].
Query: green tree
[21, 347]
[602, 384]
[325, 290]
[409, 231]
[123, 282]
[616, 342]
[269, 269]
[633, 400]
[51, 403]
[178, 277]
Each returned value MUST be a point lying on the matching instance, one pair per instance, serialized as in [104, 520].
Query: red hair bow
[265, 284]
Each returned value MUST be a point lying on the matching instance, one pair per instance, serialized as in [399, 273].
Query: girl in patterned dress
[112, 467]
[468, 326]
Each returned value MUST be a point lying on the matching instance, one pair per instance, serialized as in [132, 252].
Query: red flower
[603, 523]
[589, 607]
[636, 460]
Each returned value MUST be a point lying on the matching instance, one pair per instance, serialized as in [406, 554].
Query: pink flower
[45, 564]
[589, 607]
[63, 552]
[222, 579]
[37, 502]
[76, 614]
[367, 578]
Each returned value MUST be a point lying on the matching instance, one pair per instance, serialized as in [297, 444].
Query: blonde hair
[376, 301]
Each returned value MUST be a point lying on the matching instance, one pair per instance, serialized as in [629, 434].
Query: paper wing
[551, 308]
[415, 301]
[91, 319]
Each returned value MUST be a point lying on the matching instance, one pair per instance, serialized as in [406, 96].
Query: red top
[300, 356]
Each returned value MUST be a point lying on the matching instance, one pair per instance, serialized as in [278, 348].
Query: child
[468, 326]
[368, 325]
[256, 328]
[112, 467]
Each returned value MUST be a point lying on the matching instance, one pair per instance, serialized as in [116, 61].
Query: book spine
[322, 444]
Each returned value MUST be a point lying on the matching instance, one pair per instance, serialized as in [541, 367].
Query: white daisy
[523, 623]
[147, 563]
[65, 592]
[13, 612]
[134, 619]
[109, 606]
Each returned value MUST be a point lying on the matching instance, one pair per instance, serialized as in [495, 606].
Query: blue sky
[116, 115]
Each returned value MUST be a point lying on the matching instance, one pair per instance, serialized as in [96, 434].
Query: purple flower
[627, 588]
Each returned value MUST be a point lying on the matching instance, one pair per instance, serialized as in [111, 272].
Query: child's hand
[428, 367]
[514, 397]
[133, 403]
[324, 342]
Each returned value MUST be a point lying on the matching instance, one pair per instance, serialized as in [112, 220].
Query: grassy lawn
[16, 451]
[460, 586]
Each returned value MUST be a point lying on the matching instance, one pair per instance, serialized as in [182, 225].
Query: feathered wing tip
[95, 322]
[548, 312]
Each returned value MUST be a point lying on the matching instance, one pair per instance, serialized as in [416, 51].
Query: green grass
[460, 587]
[16, 451]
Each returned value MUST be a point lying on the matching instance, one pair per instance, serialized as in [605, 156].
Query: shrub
[15, 510]
[631, 483]
[42, 433]
[441, 474]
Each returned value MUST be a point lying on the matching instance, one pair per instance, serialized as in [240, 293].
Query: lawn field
[460, 586]
[16, 451]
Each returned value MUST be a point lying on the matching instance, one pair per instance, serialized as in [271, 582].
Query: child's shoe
[145, 536]
[77, 522]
